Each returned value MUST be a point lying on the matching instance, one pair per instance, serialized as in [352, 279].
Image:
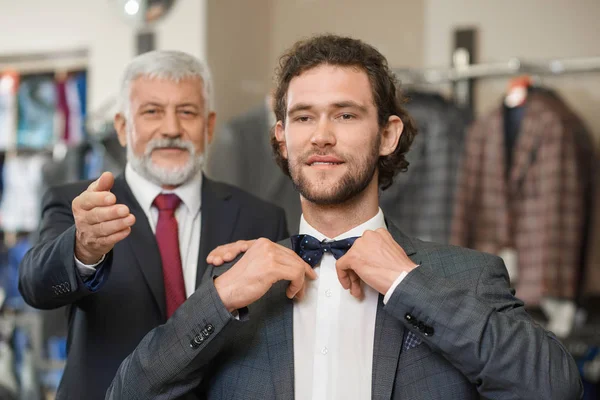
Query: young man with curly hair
[351, 308]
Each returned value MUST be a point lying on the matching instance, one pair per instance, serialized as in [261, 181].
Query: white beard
[162, 176]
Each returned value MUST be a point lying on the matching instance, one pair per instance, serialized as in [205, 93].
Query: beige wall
[246, 38]
[395, 27]
[239, 37]
[531, 29]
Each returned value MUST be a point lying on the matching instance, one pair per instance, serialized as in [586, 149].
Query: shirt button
[324, 351]
[328, 293]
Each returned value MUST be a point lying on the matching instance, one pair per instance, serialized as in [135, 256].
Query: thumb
[104, 183]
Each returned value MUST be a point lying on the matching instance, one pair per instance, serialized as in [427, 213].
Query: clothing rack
[514, 66]
[462, 75]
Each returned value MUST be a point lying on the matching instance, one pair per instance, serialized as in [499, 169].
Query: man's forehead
[329, 86]
[188, 88]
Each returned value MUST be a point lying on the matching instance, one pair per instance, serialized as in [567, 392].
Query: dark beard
[353, 183]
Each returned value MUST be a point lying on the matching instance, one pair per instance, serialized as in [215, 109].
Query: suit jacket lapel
[279, 330]
[219, 216]
[279, 326]
[389, 334]
[528, 141]
[143, 244]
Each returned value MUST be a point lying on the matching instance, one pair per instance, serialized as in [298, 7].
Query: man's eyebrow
[300, 107]
[350, 104]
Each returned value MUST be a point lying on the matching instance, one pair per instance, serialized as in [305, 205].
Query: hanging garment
[37, 99]
[63, 115]
[541, 208]
[20, 204]
[591, 275]
[76, 126]
[241, 155]
[420, 200]
[8, 109]
[10, 274]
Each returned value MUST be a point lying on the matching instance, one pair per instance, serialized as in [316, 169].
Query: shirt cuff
[392, 288]
[87, 270]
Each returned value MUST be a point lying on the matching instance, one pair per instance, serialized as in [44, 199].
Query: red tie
[167, 237]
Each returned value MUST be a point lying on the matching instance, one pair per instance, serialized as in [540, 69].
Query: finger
[310, 272]
[228, 252]
[342, 267]
[103, 184]
[296, 278]
[89, 200]
[107, 213]
[244, 245]
[217, 261]
[355, 285]
[114, 238]
[344, 278]
[301, 293]
[108, 228]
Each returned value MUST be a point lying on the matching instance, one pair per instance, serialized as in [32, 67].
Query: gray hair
[165, 64]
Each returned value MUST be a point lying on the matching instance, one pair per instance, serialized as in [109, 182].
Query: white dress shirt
[333, 331]
[188, 220]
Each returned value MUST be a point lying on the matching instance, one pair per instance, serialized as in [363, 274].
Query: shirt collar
[378, 221]
[146, 191]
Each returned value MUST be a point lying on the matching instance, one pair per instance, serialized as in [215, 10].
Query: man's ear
[120, 124]
[280, 137]
[210, 126]
[390, 136]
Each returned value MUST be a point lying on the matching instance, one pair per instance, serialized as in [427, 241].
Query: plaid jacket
[541, 208]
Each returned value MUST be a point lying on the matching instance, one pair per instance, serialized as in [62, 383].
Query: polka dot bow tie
[311, 250]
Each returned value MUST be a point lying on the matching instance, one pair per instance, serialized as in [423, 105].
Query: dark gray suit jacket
[106, 325]
[480, 342]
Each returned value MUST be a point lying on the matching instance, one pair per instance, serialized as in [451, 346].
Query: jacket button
[429, 331]
[408, 317]
[196, 342]
[210, 328]
[205, 333]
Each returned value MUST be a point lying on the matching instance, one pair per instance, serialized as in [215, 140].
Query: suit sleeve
[48, 277]
[485, 333]
[173, 358]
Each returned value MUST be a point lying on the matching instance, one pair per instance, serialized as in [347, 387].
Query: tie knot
[167, 202]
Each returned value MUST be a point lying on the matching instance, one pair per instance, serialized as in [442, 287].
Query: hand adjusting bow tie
[311, 250]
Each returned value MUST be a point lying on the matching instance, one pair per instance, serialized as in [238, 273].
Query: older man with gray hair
[123, 253]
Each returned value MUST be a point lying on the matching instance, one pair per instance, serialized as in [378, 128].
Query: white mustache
[169, 143]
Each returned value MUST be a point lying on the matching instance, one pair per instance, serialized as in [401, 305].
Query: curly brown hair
[348, 52]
